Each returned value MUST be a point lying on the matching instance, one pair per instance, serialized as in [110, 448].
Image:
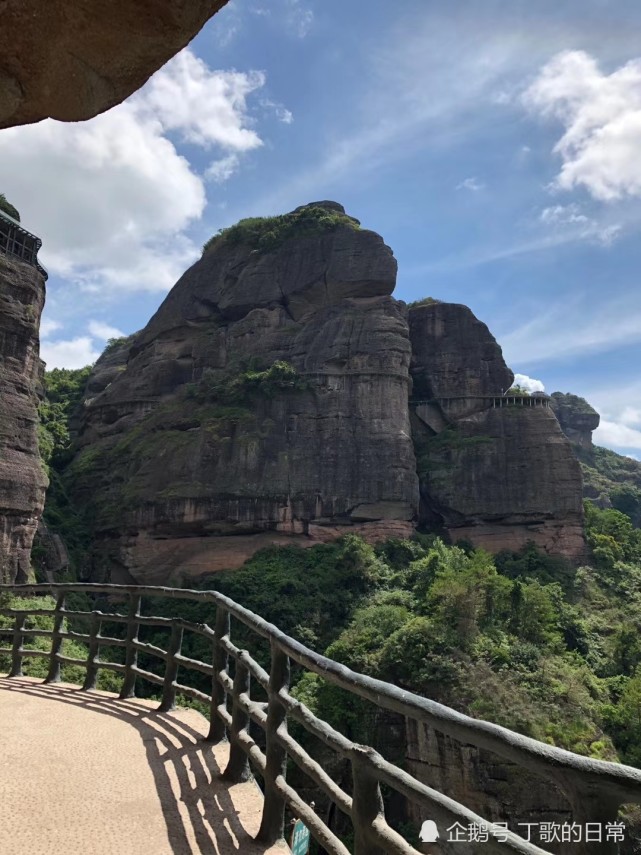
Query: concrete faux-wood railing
[595, 789]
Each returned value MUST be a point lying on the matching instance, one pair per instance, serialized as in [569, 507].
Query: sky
[496, 146]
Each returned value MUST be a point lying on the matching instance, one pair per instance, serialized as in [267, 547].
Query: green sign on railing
[300, 839]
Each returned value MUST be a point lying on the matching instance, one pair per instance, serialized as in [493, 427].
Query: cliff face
[22, 478]
[266, 400]
[576, 418]
[495, 476]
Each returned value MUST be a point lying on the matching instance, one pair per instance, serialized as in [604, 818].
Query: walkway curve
[83, 773]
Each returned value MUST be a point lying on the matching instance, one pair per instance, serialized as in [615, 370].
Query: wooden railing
[594, 789]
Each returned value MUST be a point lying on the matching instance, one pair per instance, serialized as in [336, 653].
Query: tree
[8, 208]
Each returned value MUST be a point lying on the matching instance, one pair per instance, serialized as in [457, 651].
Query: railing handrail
[584, 780]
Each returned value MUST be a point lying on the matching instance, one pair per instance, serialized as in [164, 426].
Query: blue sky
[496, 146]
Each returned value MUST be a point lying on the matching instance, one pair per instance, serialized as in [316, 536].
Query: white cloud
[563, 215]
[601, 115]
[579, 226]
[118, 194]
[207, 107]
[620, 426]
[103, 331]
[631, 416]
[616, 434]
[73, 353]
[299, 17]
[528, 383]
[48, 326]
[571, 328]
[222, 170]
[472, 184]
[282, 113]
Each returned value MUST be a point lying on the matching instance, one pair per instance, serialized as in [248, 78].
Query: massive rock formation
[73, 60]
[267, 402]
[497, 476]
[576, 417]
[22, 477]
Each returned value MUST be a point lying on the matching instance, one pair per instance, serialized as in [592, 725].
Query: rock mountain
[22, 477]
[280, 394]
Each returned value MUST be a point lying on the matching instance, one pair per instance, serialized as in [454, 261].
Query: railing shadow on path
[185, 769]
[594, 789]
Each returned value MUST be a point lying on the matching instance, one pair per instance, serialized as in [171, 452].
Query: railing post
[56, 642]
[16, 650]
[272, 826]
[367, 803]
[131, 654]
[217, 729]
[237, 769]
[168, 701]
[92, 657]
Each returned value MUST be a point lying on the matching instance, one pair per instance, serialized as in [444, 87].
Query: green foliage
[37, 666]
[113, 343]
[523, 641]
[265, 234]
[518, 391]
[8, 208]
[64, 390]
[611, 478]
[530, 563]
[434, 454]
[611, 536]
[241, 387]
[425, 301]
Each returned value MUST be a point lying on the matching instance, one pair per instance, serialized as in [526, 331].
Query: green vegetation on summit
[267, 233]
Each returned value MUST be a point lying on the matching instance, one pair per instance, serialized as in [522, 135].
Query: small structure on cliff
[16, 241]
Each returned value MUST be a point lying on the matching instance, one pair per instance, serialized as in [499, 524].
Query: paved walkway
[83, 773]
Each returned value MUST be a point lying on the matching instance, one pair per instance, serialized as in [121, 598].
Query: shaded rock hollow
[73, 60]
[267, 402]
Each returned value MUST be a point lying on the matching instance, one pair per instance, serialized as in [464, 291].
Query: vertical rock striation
[265, 401]
[495, 476]
[577, 418]
[22, 477]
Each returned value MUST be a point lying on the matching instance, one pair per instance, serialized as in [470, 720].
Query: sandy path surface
[83, 773]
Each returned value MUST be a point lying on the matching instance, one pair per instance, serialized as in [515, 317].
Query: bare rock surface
[495, 476]
[266, 402]
[73, 60]
[187, 470]
[576, 417]
[22, 477]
